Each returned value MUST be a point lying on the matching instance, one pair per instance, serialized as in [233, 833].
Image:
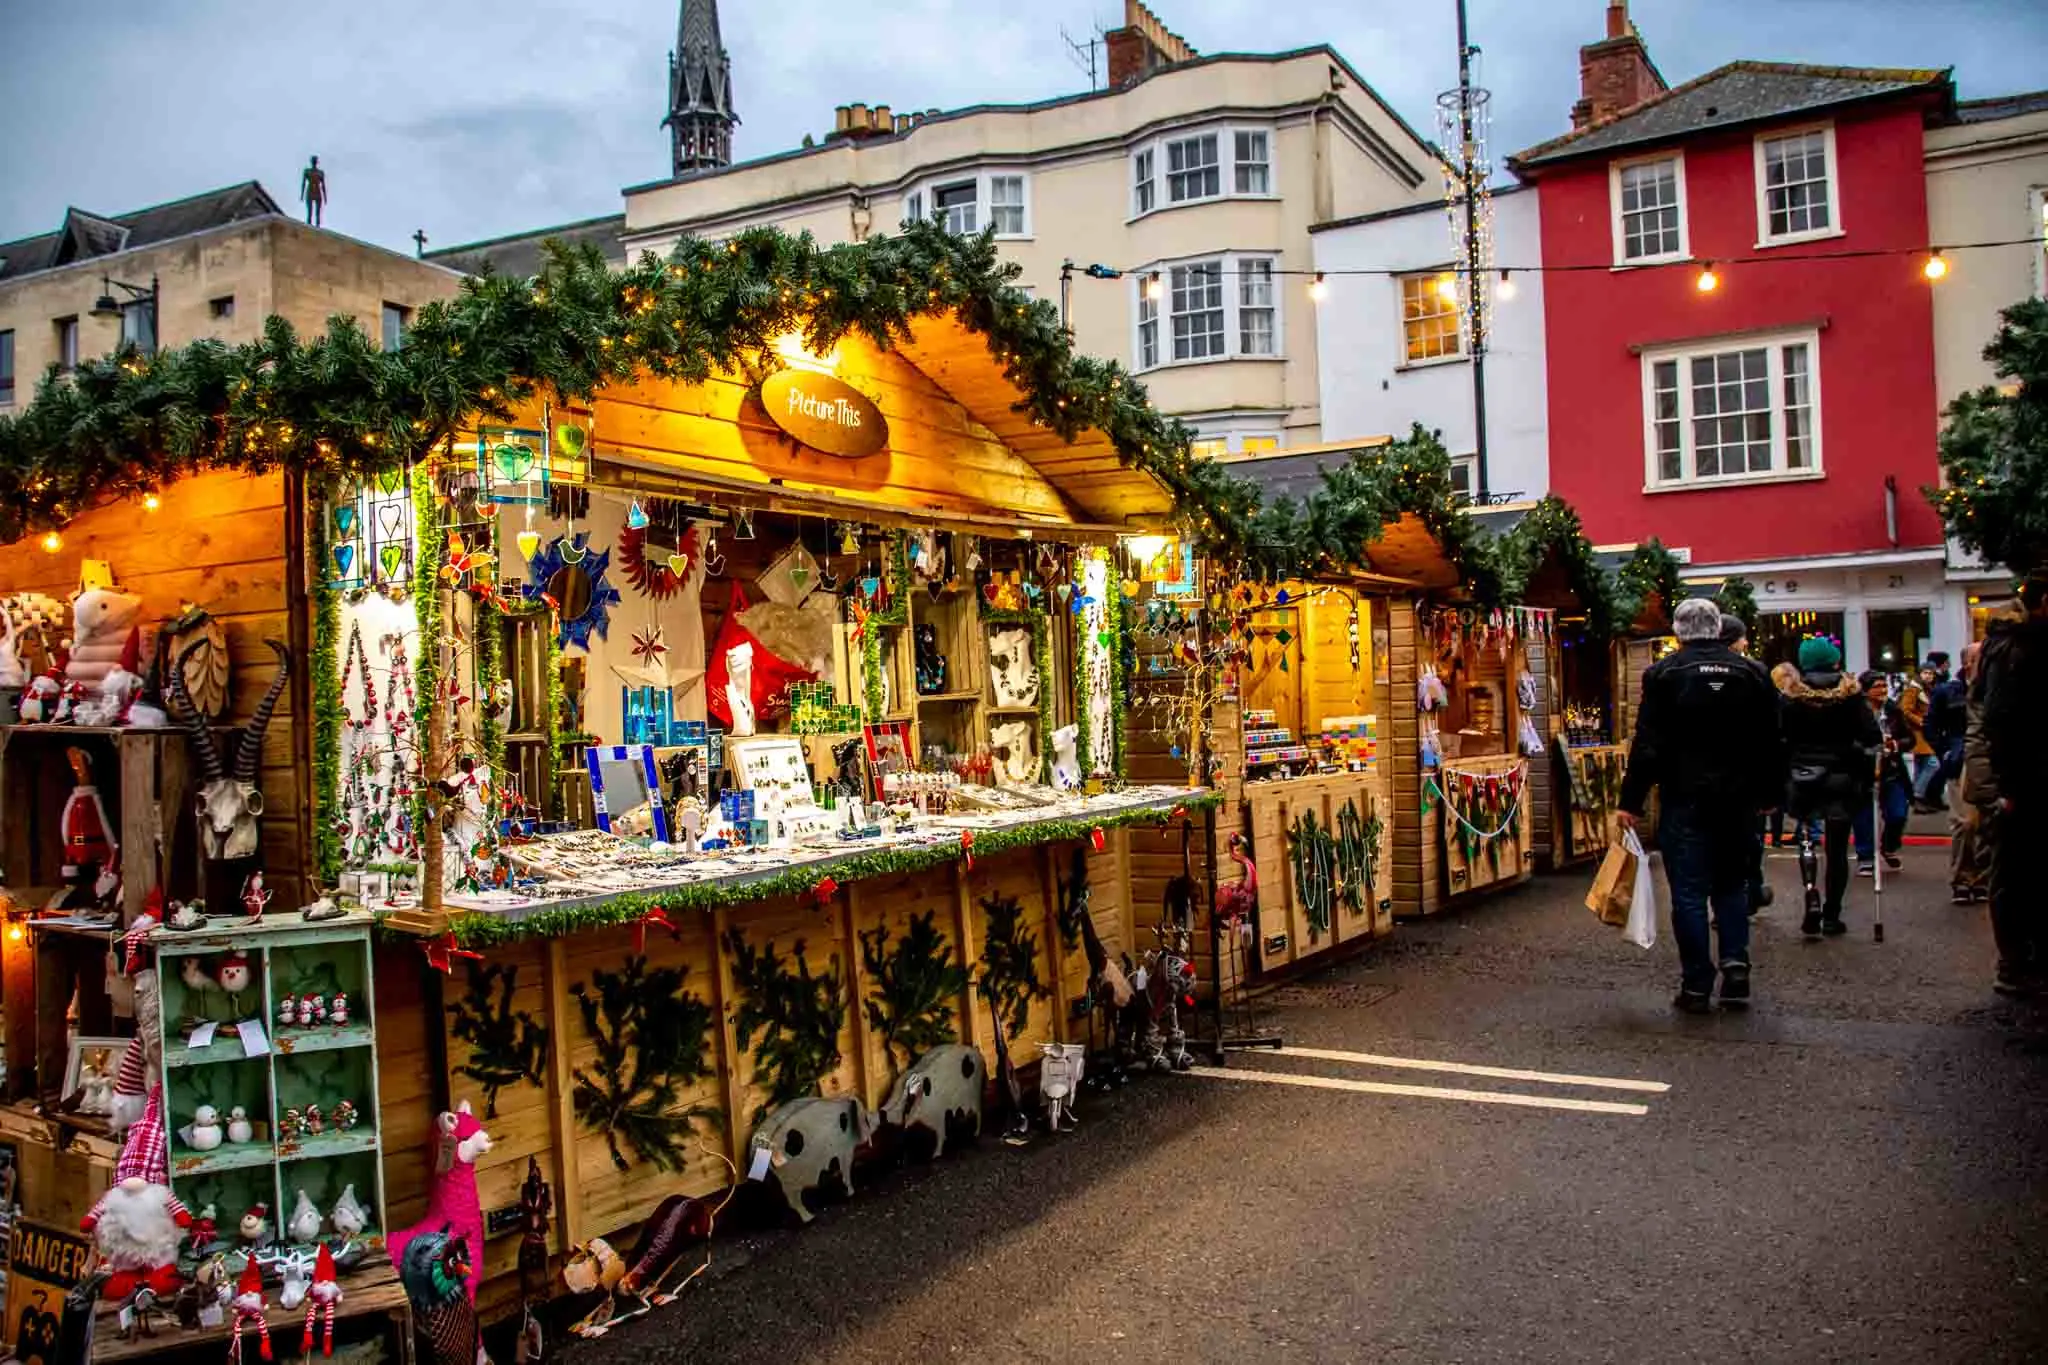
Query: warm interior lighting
[15, 933]
[1447, 287]
[1508, 287]
[1155, 288]
[150, 502]
[1936, 268]
[1708, 281]
[1145, 548]
[1318, 288]
[53, 542]
[790, 346]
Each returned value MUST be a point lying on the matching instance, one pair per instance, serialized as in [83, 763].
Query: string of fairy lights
[1935, 265]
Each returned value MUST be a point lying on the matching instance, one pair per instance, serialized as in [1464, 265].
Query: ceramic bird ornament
[348, 1215]
[304, 1224]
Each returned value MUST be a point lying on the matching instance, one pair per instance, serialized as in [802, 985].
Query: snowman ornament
[205, 1132]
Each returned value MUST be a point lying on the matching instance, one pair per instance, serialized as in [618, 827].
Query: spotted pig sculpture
[943, 1087]
[807, 1141]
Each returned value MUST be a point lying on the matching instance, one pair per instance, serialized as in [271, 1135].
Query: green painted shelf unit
[305, 1064]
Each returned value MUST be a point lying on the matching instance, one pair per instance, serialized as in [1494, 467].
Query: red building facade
[1780, 424]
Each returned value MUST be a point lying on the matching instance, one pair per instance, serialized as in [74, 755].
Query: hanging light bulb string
[1153, 279]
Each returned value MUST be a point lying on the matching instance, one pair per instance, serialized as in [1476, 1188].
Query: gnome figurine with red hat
[139, 1061]
[138, 1223]
[248, 1306]
[320, 1302]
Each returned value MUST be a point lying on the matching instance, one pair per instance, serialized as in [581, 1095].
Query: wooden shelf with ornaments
[256, 1110]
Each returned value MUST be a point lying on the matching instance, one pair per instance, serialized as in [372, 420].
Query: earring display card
[776, 770]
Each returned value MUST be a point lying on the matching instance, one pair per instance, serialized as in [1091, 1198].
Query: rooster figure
[435, 1272]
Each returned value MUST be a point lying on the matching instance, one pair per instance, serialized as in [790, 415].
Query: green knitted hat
[1817, 655]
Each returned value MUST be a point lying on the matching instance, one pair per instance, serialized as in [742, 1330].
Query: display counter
[1481, 809]
[1321, 844]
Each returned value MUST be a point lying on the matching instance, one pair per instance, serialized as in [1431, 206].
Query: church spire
[700, 117]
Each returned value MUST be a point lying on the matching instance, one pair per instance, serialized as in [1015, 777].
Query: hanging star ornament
[648, 647]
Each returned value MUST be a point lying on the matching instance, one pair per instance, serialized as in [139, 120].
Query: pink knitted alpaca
[452, 1201]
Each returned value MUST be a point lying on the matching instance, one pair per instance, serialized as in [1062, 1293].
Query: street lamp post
[107, 306]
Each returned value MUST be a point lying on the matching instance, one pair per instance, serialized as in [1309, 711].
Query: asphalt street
[1856, 1169]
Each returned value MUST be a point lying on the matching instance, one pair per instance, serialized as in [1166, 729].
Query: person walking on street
[1831, 748]
[1735, 635]
[1894, 786]
[2009, 702]
[1923, 764]
[1706, 738]
[1947, 718]
[1969, 832]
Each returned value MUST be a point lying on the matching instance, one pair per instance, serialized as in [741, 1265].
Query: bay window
[956, 204]
[973, 200]
[1733, 411]
[1216, 308]
[1195, 167]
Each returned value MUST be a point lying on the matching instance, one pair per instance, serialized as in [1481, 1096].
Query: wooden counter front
[1502, 863]
[1275, 817]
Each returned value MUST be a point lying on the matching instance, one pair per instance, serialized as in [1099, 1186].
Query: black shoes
[1892, 862]
[1763, 898]
[1959, 895]
[1833, 927]
[1735, 985]
[1694, 1002]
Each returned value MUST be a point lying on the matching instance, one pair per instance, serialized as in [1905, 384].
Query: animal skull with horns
[230, 801]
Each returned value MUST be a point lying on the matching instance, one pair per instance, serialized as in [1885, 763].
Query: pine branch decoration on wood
[796, 1014]
[1009, 963]
[506, 1046]
[652, 1040]
[916, 982]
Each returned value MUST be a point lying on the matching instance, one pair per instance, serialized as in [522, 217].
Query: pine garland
[429, 546]
[488, 653]
[326, 683]
[895, 612]
[915, 984]
[652, 1039]
[485, 929]
[1009, 964]
[1552, 532]
[1648, 588]
[506, 1046]
[796, 1014]
[1737, 597]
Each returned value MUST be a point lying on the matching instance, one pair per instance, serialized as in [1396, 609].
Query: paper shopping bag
[1613, 886]
[1641, 928]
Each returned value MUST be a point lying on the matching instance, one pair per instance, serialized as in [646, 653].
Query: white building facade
[1393, 350]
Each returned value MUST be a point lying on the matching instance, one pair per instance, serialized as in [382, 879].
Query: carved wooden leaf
[206, 672]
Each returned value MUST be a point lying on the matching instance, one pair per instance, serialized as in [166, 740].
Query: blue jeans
[1926, 776]
[1708, 852]
[1893, 798]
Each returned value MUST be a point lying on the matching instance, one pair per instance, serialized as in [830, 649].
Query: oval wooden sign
[824, 413]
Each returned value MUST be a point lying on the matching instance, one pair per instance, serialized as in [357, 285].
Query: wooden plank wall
[1418, 878]
[1272, 810]
[220, 540]
[937, 456]
[593, 1196]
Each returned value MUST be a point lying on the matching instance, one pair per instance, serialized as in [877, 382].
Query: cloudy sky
[470, 118]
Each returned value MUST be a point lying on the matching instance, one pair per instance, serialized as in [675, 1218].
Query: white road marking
[1430, 1092]
[1498, 1073]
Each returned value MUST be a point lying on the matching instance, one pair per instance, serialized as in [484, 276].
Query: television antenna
[1085, 55]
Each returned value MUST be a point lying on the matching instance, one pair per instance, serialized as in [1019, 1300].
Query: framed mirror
[625, 791]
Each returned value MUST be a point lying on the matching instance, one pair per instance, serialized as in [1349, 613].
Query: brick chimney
[1142, 46]
[1616, 73]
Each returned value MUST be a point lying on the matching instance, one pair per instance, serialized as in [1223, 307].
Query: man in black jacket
[1735, 635]
[1707, 738]
[2011, 688]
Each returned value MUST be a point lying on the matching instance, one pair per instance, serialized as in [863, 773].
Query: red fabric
[772, 673]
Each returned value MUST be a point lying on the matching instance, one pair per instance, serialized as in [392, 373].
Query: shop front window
[1777, 635]
[1898, 639]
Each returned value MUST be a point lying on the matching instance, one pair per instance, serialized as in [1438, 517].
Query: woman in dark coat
[1831, 740]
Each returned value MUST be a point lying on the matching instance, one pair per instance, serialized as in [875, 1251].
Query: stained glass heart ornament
[528, 542]
[514, 463]
[345, 519]
[345, 559]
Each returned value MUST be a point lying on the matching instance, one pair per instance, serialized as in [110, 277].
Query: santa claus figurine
[254, 898]
[138, 1223]
[248, 1306]
[88, 836]
[320, 1301]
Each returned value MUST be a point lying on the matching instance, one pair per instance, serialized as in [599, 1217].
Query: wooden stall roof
[959, 454]
[1405, 553]
[1086, 470]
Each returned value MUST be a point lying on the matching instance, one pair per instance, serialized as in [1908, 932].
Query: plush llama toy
[452, 1203]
